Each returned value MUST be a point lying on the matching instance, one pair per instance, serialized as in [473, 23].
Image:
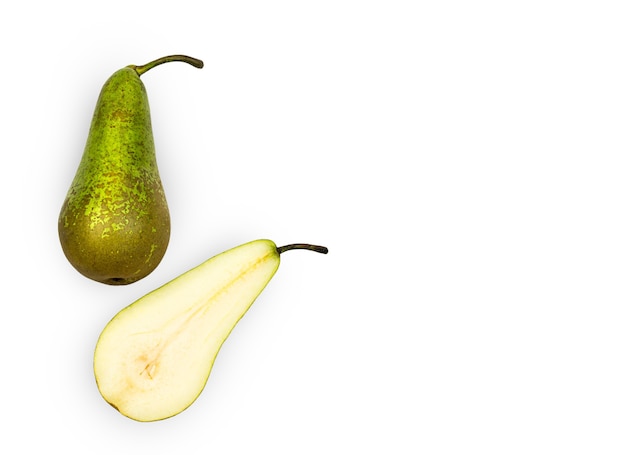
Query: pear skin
[114, 224]
[153, 359]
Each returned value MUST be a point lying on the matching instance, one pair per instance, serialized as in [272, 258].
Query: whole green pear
[114, 225]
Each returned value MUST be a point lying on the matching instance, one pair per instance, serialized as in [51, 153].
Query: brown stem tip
[170, 58]
[302, 246]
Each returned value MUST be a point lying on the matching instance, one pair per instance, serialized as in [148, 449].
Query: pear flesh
[153, 359]
[114, 225]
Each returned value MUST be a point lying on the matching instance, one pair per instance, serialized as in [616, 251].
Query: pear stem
[302, 246]
[170, 58]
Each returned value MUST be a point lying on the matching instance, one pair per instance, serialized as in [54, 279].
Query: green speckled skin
[114, 225]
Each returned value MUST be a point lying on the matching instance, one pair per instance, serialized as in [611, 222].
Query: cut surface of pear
[153, 359]
[114, 225]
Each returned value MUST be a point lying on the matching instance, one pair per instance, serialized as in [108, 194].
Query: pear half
[153, 359]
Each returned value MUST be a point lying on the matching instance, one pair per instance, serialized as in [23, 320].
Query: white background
[463, 162]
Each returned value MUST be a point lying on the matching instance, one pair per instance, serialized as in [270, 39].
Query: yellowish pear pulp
[154, 357]
[114, 225]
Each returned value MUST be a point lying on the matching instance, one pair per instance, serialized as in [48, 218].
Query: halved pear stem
[170, 58]
[302, 246]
